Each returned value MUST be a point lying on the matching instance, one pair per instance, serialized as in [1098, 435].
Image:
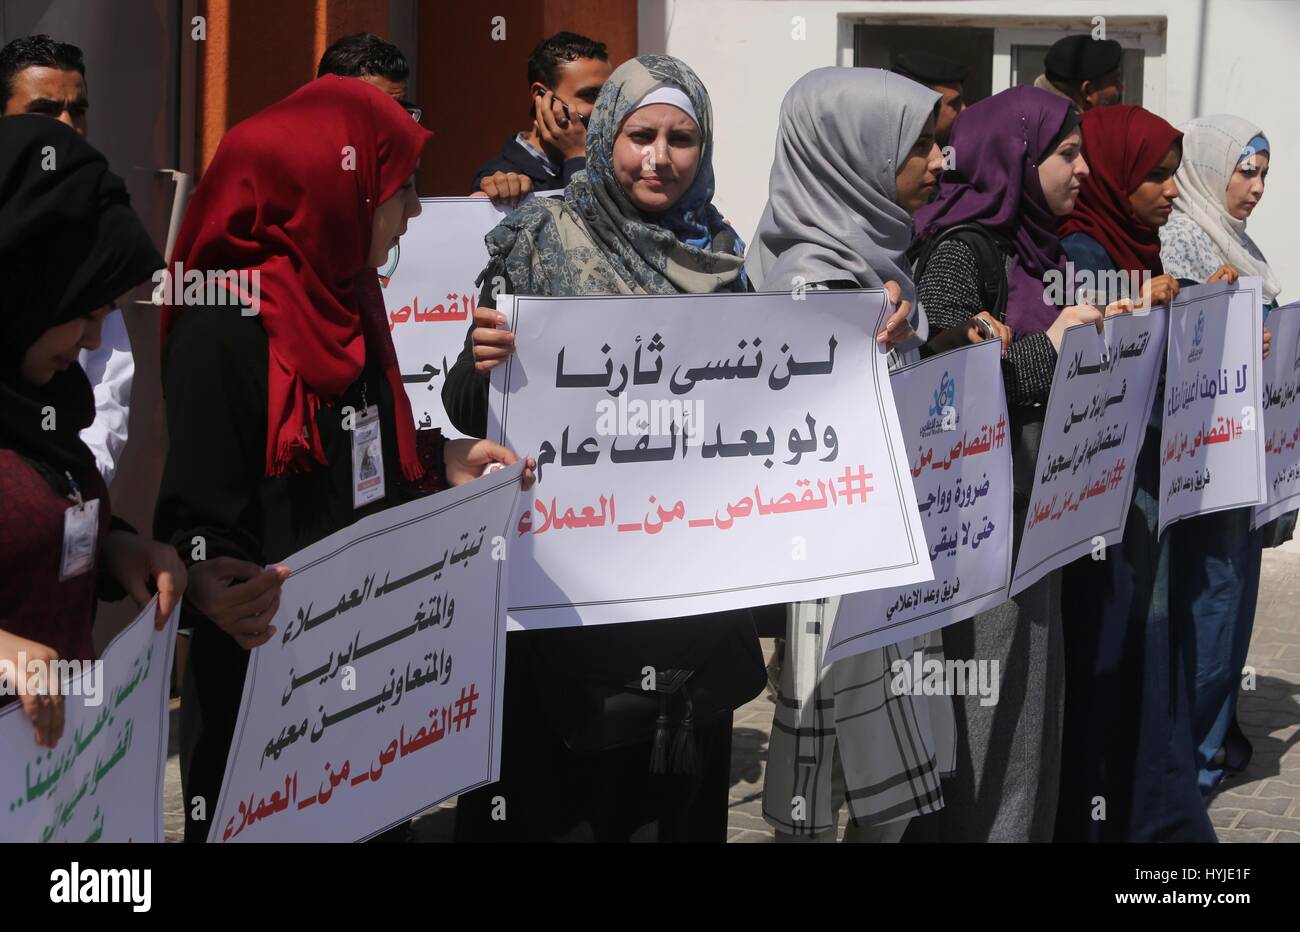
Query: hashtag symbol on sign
[852, 483]
[1117, 474]
[1000, 435]
[465, 707]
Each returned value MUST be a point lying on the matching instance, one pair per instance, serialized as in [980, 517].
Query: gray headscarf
[831, 213]
[595, 241]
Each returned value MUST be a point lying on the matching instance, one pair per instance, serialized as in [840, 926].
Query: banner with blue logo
[953, 413]
[1097, 413]
[1212, 440]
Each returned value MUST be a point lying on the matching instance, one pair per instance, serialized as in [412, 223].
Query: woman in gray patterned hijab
[597, 240]
[576, 753]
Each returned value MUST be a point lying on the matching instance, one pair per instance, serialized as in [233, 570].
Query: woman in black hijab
[70, 245]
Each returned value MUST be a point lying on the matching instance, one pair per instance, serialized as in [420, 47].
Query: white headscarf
[1212, 150]
[667, 94]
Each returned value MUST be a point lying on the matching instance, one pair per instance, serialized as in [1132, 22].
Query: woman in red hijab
[1128, 197]
[300, 204]
[1127, 735]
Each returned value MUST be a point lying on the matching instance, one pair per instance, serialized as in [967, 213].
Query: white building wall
[748, 55]
[1252, 48]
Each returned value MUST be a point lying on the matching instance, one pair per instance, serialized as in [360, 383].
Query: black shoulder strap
[989, 255]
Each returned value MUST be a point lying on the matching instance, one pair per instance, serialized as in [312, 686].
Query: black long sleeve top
[214, 483]
[952, 291]
[465, 391]
[515, 158]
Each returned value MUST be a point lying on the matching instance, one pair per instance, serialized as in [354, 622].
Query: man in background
[40, 75]
[1086, 71]
[565, 75]
[366, 56]
[942, 75]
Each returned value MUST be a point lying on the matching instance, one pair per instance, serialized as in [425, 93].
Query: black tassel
[684, 752]
[659, 750]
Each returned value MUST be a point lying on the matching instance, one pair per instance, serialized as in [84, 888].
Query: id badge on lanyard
[367, 457]
[80, 531]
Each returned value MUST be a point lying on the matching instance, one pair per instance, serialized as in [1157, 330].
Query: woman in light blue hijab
[1221, 179]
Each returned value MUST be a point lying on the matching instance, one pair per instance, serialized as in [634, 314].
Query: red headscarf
[1122, 144]
[292, 192]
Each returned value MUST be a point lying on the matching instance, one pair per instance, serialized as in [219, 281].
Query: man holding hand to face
[565, 75]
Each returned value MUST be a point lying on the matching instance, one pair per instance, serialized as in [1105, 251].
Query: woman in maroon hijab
[1127, 736]
[309, 196]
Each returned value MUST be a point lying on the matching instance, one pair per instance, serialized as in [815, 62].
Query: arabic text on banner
[1282, 415]
[430, 295]
[103, 781]
[380, 694]
[1097, 413]
[953, 414]
[1212, 440]
[698, 453]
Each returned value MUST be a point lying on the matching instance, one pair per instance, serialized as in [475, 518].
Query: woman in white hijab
[1221, 180]
[855, 157]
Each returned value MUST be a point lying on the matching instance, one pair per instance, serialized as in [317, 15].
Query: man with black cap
[1086, 71]
[939, 74]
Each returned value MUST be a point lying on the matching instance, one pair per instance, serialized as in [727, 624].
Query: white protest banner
[702, 452]
[430, 295]
[1097, 414]
[953, 413]
[1212, 439]
[1281, 407]
[387, 665]
[103, 781]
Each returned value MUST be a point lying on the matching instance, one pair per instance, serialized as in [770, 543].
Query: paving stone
[1224, 818]
[1240, 835]
[1273, 806]
[1264, 820]
[1277, 788]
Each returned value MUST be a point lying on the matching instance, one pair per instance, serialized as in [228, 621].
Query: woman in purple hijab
[988, 249]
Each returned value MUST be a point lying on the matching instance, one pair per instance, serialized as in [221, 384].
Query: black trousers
[549, 793]
[210, 697]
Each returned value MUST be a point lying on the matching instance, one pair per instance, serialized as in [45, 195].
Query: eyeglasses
[415, 112]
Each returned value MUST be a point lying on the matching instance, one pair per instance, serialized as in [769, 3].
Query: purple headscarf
[996, 145]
